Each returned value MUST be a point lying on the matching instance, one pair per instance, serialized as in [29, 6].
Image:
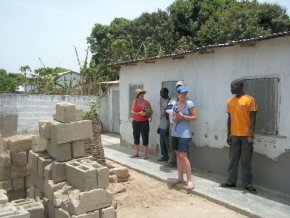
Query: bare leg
[137, 149]
[187, 167]
[180, 168]
[145, 152]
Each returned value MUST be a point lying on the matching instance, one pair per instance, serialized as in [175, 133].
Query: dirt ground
[143, 197]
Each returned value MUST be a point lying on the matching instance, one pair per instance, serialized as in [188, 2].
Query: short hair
[239, 82]
[165, 90]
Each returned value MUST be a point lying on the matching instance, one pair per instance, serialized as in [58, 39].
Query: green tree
[242, 20]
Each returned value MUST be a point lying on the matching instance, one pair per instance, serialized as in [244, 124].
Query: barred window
[132, 89]
[265, 91]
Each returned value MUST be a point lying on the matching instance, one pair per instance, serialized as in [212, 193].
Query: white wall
[208, 77]
[29, 109]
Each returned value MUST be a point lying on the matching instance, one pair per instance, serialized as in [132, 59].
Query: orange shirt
[239, 110]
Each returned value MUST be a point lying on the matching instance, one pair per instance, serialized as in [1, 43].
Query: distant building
[69, 78]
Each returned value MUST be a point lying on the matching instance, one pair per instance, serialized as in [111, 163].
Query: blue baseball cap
[182, 89]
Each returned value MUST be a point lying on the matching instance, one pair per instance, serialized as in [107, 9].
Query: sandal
[251, 189]
[227, 185]
[134, 155]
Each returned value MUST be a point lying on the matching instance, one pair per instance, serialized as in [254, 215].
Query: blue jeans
[164, 144]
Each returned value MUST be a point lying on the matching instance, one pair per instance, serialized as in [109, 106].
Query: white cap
[180, 83]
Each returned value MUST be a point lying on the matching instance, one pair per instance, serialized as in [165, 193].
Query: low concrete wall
[20, 113]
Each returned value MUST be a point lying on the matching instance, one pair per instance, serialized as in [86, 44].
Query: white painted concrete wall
[106, 110]
[208, 77]
[32, 108]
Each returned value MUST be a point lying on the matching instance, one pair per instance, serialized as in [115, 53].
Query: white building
[264, 64]
[69, 79]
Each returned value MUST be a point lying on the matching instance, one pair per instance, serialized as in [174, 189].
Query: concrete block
[19, 159]
[82, 202]
[79, 114]
[50, 188]
[7, 185]
[45, 207]
[39, 144]
[65, 112]
[119, 171]
[81, 176]
[11, 211]
[5, 166]
[78, 149]
[60, 152]
[42, 162]
[60, 213]
[108, 212]
[19, 143]
[58, 171]
[68, 132]
[35, 209]
[3, 191]
[51, 210]
[60, 196]
[113, 179]
[94, 214]
[17, 172]
[18, 183]
[37, 181]
[32, 161]
[47, 173]
[44, 128]
[3, 198]
[14, 195]
[37, 194]
[102, 172]
[102, 175]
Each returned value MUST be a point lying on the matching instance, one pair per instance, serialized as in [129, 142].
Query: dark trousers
[171, 152]
[240, 149]
[164, 144]
[142, 128]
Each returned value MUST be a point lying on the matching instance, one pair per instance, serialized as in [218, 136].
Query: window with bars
[132, 89]
[265, 91]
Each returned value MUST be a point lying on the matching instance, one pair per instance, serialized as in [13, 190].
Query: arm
[192, 117]
[229, 136]
[253, 125]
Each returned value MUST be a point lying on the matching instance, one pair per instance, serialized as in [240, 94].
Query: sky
[50, 29]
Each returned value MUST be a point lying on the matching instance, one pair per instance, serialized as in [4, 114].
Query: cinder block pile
[15, 171]
[23, 208]
[67, 182]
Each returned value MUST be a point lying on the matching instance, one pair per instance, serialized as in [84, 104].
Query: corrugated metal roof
[243, 42]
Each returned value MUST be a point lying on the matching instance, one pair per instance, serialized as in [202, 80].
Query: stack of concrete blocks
[15, 171]
[118, 173]
[68, 183]
[22, 208]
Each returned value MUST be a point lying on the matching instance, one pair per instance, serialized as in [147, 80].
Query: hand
[179, 116]
[142, 113]
[251, 139]
[229, 140]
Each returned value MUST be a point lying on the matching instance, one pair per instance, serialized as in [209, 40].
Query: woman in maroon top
[141, 111]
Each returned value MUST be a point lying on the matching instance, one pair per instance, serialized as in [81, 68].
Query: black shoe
[227, 185]
[162, 159]
[251, 189]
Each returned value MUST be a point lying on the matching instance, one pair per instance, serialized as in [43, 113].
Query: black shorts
[141, 127]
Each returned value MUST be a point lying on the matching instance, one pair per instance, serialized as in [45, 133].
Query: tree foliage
[9, 81]
[185, 25]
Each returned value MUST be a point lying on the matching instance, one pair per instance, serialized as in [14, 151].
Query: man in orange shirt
[242, 111]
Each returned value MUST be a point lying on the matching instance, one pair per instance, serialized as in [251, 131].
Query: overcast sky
[49, 29]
